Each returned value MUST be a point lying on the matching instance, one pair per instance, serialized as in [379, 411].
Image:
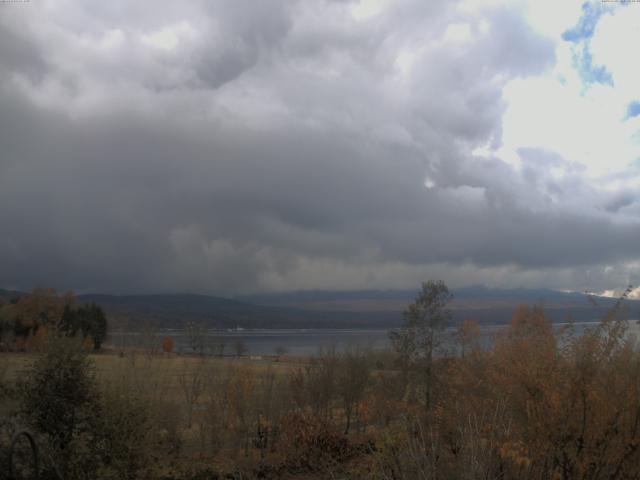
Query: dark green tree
[87, 320]
[56, 399]
[69, 322]
[95, 325]
[84, 432]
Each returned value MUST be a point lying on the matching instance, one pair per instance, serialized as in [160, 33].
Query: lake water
[300, 342]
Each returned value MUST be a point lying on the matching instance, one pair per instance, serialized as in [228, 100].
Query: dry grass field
[166, 376]
[204, 407]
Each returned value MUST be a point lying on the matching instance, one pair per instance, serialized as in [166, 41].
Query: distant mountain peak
[634, 294]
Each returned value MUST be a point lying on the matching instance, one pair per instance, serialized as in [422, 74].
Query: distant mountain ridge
[485, 304]
[470, 292]
[334, 309]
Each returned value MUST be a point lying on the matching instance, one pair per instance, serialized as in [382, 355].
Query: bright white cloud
[169, 37]
[584, 127]
[564, 111]
[458, 32]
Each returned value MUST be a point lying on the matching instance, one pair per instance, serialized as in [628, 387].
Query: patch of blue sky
[589, 72]
[580, 36]
[591, 13]
[633, 109]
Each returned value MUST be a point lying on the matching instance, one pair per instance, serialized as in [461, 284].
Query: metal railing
[34, 454]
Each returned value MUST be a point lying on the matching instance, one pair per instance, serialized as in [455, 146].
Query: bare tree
[280, 351]
[196, 338]
[422, 332]
[266, 410]
[468, 335]
[353, 379]
[240, 348]
[320, 378]
[217, 412]
[192, 384]
[150, 339]
[218, 345]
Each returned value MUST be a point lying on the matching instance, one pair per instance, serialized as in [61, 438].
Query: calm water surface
[292, 341]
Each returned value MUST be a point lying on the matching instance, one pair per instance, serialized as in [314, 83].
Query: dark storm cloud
[237, 145]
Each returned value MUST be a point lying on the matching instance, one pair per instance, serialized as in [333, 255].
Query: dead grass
[162, 370]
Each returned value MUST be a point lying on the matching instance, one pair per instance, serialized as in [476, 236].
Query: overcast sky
[236, 146]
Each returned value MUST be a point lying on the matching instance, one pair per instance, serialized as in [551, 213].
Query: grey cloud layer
[239, 146]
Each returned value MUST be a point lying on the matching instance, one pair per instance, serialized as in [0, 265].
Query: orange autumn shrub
[167, 345]
[306, 443]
